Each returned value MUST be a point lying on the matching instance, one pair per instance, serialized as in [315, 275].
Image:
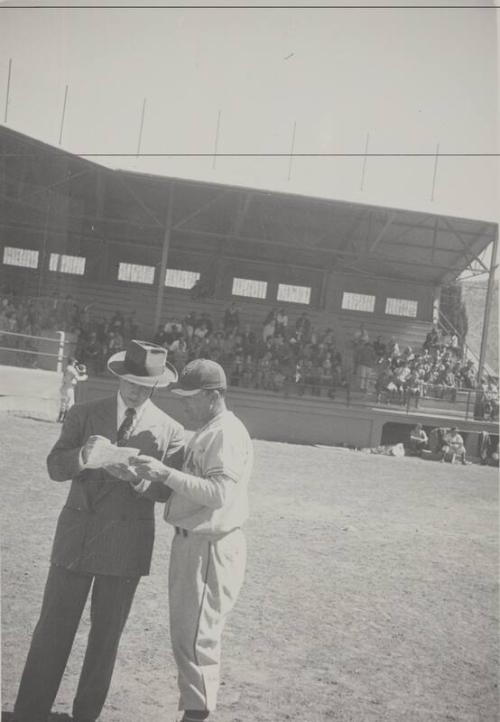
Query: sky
[398, 81]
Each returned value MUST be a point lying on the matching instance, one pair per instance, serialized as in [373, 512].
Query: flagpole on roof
[363, 171]
[291, 150]
[435, 172]
[216, 142]
[7, 92]
[63, 115]
[139, 141]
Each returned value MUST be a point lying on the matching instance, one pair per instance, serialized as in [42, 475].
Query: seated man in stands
[449, 384]
[91, 354]
[303, 327]
[453, 446]
[432, 339]
[231, 318]
[418, 440]
[366, 360]
[379, 347]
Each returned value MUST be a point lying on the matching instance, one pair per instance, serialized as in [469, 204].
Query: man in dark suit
[104, 535]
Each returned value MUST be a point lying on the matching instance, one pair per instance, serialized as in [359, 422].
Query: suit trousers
[63, 602]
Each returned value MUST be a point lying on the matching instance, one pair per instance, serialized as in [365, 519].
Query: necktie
[125, 430]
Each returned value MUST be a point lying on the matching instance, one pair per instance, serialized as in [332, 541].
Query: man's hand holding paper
[100, 453]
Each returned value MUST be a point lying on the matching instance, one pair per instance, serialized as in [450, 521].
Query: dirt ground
[371, 591]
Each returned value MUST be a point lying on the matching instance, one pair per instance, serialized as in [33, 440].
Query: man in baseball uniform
[207, 508]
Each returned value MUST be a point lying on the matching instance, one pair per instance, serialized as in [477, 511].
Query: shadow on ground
[20, 415]
[53, 717]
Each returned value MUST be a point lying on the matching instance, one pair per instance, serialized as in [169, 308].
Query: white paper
[103, 453]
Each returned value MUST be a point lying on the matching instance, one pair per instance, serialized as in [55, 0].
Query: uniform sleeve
[213, 492]
[224, 456]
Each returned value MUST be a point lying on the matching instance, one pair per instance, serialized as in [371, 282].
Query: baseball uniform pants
[205, 577]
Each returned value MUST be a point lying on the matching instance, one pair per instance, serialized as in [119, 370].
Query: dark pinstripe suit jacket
[105, 526]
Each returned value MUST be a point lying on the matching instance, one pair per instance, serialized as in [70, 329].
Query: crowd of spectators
[276, 355]
[436, 370]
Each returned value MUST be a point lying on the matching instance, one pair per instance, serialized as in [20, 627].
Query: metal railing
[22, 345]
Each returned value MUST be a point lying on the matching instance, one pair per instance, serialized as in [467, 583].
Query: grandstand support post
[164, 258]
[60, 351]
[487, 308]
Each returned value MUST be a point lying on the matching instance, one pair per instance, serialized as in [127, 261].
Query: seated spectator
[236, 370]
[281, 322]
[385, 386]
[263, 375]
[436, 439]
[130, 327]
[449, 385]
[269, 325]
[453, 446]
[361, 335]
[488, 449]
[413, 388]
[248, 339]
[115, 343]
[160, 336]
[379, 347]
[432, 339]
[418, 439]
[231, 318]
[91, 354]
[303, 327]
[393, 350]
[366, 361]
[248, 374]
[190, 324]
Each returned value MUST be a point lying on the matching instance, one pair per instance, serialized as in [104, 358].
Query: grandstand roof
[299, 230]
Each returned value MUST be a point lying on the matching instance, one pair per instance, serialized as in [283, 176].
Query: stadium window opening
[294, 294]
[401, 307]
[358, 302]
[135, 273]
[60, 263]
[178, 278]
[24, 257]
[249, 287]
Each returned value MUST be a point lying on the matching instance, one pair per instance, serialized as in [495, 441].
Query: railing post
[60, 351]
[467, 406]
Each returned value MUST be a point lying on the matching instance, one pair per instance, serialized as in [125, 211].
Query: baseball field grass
[371, 591]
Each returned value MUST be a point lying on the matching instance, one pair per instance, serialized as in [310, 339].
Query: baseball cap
[200, 374]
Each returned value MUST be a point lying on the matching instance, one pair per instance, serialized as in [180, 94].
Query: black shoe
[195, 715]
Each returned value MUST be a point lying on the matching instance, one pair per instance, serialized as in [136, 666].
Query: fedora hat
[143, 363]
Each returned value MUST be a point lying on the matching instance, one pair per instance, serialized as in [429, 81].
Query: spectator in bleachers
[91, 353]
[281, 324]
[303, 327]
[379, 347]
[366, 359]
[432, 339]
[231, 318]
[269, 325]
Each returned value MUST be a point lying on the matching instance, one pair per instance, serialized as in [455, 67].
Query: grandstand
[77, 233]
